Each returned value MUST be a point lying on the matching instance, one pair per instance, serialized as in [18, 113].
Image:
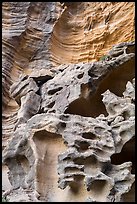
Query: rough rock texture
[87, 30]
[26, 33]
[68, 113]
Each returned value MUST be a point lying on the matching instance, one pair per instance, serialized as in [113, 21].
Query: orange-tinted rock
[68, 106]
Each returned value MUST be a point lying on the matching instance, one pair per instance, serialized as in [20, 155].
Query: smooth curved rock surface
[68, 105]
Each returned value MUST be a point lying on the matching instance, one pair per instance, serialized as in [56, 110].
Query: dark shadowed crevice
[91, 105]
[80, 76]
[89, 135]
[127, 154]
[51, 104]
[129, 196]
[82, 145]
[51, 92]
[98, 185]
[72, 169]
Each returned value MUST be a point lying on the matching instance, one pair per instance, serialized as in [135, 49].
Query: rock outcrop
[68, 113]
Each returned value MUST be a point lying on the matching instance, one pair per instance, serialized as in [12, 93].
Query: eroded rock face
[72, 126]
[87, 30]
[78, 149]
[26, 33]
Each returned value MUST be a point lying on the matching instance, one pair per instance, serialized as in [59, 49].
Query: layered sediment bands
[87, 30]
[68, 82]
[26, 32]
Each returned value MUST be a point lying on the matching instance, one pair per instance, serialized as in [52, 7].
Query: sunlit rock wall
[68, 103]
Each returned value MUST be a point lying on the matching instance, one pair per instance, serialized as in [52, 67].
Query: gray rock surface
[68, 85]
[89, 144]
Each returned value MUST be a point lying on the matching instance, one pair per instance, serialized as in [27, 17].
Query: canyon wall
[68, 101]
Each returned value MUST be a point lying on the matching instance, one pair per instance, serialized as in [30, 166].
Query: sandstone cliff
[68, 103]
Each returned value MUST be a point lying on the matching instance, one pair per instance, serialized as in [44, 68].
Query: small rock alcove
[115, 81]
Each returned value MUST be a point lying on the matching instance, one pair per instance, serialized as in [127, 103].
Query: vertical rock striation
[68, 85]
[26, 32]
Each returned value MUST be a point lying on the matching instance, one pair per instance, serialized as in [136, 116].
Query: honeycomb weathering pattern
[89, 144]
[67, 117]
